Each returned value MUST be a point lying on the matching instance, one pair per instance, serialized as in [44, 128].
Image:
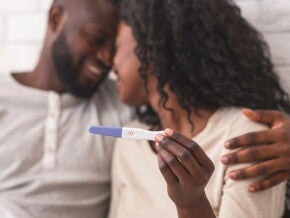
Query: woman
[198, 62]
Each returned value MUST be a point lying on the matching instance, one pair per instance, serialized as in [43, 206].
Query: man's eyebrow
[96, 31]
[101, 32]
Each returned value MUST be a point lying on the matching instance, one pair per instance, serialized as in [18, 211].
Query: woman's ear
[56, 15]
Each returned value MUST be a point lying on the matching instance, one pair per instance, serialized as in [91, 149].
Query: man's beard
[68, 73]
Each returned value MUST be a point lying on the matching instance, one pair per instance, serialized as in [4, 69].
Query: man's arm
[270, 147]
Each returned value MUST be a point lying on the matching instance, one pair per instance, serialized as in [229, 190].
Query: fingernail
[159, 137]
[228, 144]
[225, 160]
[233, 175]
[231, 144]
[247, 110]
[169, 132]
[252, 189]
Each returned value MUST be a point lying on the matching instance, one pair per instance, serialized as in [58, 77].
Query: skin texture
[77, 51]
[126, 64]
[271, 147]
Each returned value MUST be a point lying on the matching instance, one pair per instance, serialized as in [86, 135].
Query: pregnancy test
[125, 132]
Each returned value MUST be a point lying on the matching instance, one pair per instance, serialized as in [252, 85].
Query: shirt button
[51, 131]
[50, 149]
[52, 115]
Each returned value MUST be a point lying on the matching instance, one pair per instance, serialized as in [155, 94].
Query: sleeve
[236, 200]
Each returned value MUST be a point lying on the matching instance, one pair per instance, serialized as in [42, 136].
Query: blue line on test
[105, 130]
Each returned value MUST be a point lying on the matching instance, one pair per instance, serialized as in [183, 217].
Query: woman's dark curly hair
[206, 52]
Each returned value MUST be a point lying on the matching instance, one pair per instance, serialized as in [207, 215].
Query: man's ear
[56, 15]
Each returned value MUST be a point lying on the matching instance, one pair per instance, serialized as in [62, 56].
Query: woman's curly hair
[206, 53]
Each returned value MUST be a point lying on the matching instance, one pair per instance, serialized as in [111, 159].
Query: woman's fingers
[184, 166]
[169, 159]
[167, 173]
[195, 150]
[182, 154]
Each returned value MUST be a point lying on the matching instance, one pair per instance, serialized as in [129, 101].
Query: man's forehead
[95, 15]
[93, 5]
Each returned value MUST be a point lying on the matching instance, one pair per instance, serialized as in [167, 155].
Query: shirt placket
[51, 131]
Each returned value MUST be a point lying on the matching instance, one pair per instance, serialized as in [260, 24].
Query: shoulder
[235, 193]
[4, 76]
[7, 85]
[236, 122]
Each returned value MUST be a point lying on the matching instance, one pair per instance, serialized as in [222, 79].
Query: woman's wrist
[201, 209]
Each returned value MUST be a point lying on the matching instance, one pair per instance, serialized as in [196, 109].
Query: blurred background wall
[272, 19]
[23, 23]
[22, 28]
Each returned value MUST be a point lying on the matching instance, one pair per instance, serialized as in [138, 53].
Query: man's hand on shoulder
[270, 148]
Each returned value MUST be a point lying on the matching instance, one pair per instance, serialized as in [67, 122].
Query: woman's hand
[186, 169]
[270, 147]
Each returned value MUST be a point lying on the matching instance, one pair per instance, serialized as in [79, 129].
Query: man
[50, 165]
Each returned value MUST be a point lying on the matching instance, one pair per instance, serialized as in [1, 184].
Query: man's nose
[106, 56]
